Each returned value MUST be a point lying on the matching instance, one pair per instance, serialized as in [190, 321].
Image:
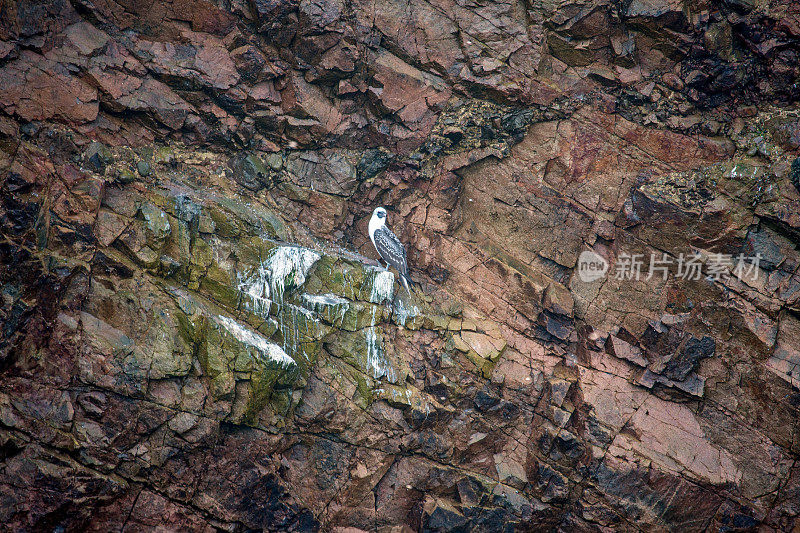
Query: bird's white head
[378, 217]
[377, 221]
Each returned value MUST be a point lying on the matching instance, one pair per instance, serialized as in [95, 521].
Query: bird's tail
[407, 283]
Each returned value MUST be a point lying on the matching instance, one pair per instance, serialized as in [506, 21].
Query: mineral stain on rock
[194, 333]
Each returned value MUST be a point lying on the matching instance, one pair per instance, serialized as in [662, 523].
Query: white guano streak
[376, 359]
[382, 286]
[403, 313]
[270, 351]
[286, 264]
[338, 306]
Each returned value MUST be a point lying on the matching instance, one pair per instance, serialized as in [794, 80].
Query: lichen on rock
[196, 334]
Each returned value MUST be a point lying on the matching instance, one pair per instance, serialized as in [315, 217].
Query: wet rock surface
[194, 333]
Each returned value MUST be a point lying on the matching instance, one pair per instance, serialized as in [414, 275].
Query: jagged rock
[668, 10]
[785, 360]
[794, 174]
[442, 516]
[372, 163]
[619, 348]
[194, 334]
[332, 172]
[249, 171]
[510, 472]
[685, 361]
[35, 88]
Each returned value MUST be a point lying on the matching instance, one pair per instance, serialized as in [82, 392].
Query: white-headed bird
[389, 246]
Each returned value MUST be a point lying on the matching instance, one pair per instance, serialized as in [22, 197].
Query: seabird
[388, 245]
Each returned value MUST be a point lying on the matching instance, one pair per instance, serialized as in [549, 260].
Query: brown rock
[35, 88]
[192, 339]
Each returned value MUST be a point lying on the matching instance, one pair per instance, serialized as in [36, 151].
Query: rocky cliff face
[194, 335]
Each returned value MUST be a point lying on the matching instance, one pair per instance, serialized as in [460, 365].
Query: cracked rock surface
[195, 334]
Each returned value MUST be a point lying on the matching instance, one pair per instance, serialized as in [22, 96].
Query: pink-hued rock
[203, 59]
[35, 88]
[196, 333]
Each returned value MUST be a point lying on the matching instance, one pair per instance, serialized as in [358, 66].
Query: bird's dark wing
[391, 249]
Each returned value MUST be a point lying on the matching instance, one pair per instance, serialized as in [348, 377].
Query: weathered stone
[249, 171]
[143, 167]
[372, 163]
[618, 347]
[442, 516]
[510, 471]
[97, 158]
[794, 174]
[35, 88]
[332, 172]
[125, 176]
[195, 335]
